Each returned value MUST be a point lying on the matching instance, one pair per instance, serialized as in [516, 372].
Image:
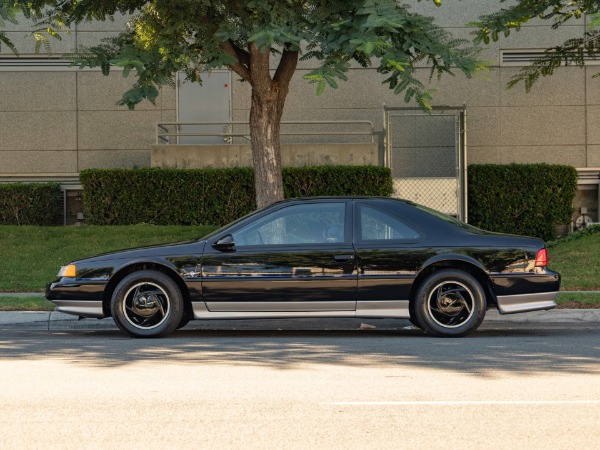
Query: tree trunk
[268, 100]
[265, 118]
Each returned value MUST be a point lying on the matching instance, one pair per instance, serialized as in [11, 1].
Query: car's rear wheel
[450, 303]
[147, 304]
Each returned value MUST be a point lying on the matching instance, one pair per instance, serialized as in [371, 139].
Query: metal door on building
[204, 103]
[427, 155]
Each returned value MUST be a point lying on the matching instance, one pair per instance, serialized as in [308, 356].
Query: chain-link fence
[426, 154]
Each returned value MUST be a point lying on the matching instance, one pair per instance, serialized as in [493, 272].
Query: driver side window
[311, 223]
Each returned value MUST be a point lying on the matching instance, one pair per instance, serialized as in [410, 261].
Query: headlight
[68, 271]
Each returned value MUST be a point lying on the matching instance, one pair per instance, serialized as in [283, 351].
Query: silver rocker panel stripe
[281, 306]
[82, 308]
[281, 310]
[383, 308]
[202, 312]
[512, 304]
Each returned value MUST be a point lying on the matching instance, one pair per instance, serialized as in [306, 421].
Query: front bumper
[71, 296]
[81, 308]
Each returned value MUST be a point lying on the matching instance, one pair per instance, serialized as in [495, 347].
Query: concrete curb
[56, 321]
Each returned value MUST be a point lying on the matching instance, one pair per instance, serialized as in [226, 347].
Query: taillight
[541, 259]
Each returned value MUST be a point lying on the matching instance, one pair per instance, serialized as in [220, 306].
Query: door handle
[342, 258]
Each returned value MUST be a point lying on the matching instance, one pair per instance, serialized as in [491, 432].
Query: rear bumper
[512, 304]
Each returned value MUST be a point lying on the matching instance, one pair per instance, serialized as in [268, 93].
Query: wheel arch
[124, 271]
[460, 262]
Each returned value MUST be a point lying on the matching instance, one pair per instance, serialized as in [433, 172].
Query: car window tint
[312, 223]
[377, 225]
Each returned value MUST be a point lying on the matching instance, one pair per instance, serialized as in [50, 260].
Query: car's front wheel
[450, 303]
[147, 304]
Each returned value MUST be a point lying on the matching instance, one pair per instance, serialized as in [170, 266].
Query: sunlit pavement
[509, 385]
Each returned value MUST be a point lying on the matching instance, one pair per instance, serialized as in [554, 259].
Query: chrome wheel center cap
[146, 305]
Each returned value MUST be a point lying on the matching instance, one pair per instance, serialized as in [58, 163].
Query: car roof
[345, 197]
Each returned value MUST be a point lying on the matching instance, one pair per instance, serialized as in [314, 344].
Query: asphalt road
[509, 385]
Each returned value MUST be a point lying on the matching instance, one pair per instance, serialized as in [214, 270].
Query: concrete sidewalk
[55, 321]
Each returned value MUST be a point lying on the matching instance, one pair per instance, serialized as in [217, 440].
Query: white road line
[473, 402]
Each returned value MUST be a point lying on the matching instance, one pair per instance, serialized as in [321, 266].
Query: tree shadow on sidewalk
[489, 351]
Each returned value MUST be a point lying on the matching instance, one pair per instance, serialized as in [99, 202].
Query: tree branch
[286, 68]
[240, 67]
[243, 55]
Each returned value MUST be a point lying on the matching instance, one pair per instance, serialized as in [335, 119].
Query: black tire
[147, 304]
[413, 317]
[415, 323]
[185, 319]
[450, 303]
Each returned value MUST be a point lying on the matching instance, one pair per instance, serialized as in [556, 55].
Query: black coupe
[317, 257]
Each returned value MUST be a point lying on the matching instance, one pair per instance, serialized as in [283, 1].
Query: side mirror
[225, 244]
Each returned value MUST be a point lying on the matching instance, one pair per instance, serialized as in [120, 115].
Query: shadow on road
[485, 353]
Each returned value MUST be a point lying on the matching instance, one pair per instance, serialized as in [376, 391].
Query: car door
[388, 253]
[296, 257]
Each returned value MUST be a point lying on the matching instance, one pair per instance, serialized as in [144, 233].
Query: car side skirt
[265, 310]
[82, 308]
[512, 304]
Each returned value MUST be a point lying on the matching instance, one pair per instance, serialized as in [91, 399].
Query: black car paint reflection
[331, 271]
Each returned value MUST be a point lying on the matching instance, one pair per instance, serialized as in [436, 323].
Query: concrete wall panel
[41, 162]
[38, 130]
[25, 43]
[106, 159]
[118, 23]
[483, 154]
[592, 85]
[543, 125]
[453, 14]
[97, 92]
[37, 91]
[168, 115]
[296, 155]
[483, 126]
[168, 98]
[552, 154]
[92, 38]
[117, 130]
[539, 37]
[457, 90]
[240, 93]
[593, 156]
[565, 87]
[593, 125]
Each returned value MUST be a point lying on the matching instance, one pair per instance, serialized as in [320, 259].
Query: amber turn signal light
[68, 271]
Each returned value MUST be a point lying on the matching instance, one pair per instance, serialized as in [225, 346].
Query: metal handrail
[164, 137]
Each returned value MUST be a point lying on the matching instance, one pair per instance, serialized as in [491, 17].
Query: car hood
[175, 249]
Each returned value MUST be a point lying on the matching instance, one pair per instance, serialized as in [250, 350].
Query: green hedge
[29, 203]
[529, 199]
[209, 196]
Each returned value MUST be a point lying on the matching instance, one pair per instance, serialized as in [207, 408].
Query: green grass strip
[32, 256]
[25, 304]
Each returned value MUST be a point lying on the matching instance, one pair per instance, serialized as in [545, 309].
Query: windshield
[221, 229]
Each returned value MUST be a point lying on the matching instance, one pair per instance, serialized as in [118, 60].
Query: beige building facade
[56, 121]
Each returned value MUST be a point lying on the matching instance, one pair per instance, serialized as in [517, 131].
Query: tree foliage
[164, 37]
[10, 11]
[572, 52]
